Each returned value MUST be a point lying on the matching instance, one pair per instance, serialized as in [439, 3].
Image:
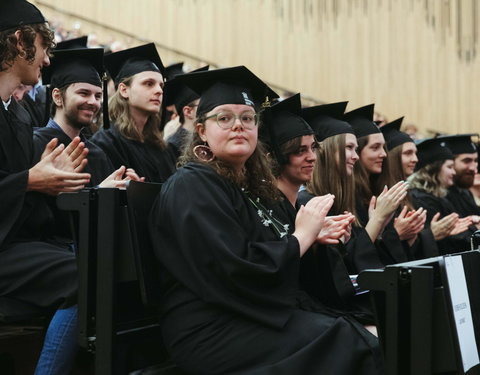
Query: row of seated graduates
[136, 52]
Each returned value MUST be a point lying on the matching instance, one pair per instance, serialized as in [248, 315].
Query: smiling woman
[134, 140]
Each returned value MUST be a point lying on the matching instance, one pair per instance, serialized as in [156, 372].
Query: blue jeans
[60, 345]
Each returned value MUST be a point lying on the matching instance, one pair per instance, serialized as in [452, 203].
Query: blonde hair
[427, 179]
[119, 112]
[330, 175]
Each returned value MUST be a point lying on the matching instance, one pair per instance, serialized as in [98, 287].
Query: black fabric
[35, 108]
[389, 247]
[432, 150]
[74, 65]
[327, 120]
[460, 143]
[99, 165]
[14, 13]
[231, 289]
[236, 85]
[361, 120]
[35, 267]
[128, 62]
[283, 122]
[433, 204]
[393, 136]
[147, 160]
[463, 201]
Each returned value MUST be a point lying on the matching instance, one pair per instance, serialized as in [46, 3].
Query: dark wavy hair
[28, 33]
[256, 176]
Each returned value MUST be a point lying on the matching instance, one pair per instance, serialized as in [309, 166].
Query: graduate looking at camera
[134, 138]
[231, 285]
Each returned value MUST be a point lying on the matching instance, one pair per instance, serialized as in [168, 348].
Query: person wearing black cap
[466, 164]
[370, 194]
[76, 86]
[292, 146]
[36, 268]
[410, 223]
[333, 172]
[233, 304]
[323, 273]
[185, 102]
[429, 183]
[134, 139]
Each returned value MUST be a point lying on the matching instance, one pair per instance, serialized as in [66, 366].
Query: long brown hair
[119, 112]
[396, 174]
[368, 184]
[330, 175]
[256, 176]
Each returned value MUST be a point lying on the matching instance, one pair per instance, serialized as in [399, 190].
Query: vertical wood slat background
[416, 58]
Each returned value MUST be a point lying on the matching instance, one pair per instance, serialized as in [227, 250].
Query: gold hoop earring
[203, 152]
[22, 54]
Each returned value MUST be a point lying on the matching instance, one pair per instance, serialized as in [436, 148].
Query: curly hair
[28, 33]
[256, 176]
[119, 112]
[426, 179]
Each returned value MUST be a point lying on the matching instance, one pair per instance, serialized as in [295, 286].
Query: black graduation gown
[433, 204]
[390, 249]
[99, 165]
[463, 201]
[35, 267]
[230, 289]
[36, 108]
[359, 252]
[148, 161]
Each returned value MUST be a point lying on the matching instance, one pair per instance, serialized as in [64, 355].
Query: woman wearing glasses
[134, 139]
[231, 294]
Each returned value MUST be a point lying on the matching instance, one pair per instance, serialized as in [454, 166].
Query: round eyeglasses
[226, 120]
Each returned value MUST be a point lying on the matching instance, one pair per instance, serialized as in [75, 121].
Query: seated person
[229, 272]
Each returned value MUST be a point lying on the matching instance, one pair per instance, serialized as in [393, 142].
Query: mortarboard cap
[361, 120]
[432, 150]
[236, 85]
[14, 13]
[327, 120]
[126, 63]
[283, 122]
[460, 143]
[74, 43]
[74, 65]
[177, 93]
[173, 70]
[393, 136]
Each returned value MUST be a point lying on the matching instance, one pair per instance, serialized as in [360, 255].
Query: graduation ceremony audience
[267, 213]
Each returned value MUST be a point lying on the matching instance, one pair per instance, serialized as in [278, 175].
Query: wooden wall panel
[417, 58]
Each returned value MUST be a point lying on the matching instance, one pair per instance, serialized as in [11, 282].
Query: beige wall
[417, 58]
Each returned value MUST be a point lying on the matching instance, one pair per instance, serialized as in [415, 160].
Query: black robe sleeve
[148, 161]
[209, 237]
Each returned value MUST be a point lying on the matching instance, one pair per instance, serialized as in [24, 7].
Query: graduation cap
[393, 136]
[177, 93]
[460, 143]
[236, 85]
[361, 120]
[14, 13]
[432, 150]
[74, 65]
[283, 122]
[126, 63]
[173, 70]
[327, 120]
[74, 43]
